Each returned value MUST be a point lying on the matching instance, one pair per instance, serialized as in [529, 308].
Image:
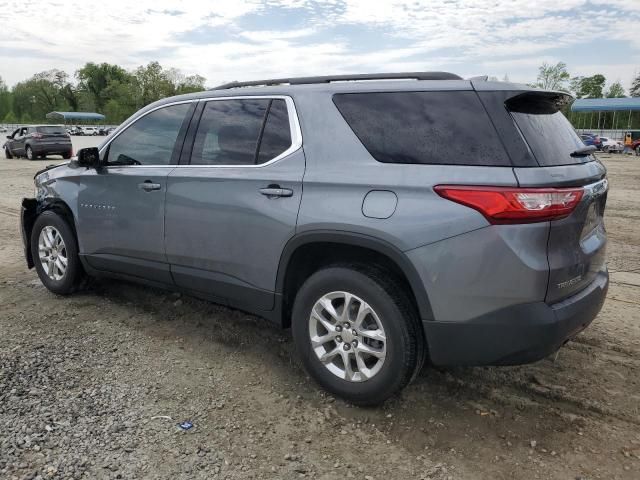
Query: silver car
[388, 220]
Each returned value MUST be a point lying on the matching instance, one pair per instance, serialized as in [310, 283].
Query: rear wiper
[584, 151]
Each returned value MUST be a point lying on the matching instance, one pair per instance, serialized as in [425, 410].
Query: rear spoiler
[538, 102]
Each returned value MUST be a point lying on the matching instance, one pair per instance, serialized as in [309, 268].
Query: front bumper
[28, 214]
[517, 334]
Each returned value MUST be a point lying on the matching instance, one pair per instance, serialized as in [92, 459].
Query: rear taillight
[503, 205]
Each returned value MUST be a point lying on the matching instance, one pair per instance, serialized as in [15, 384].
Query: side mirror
[9, 137]
[89, 157]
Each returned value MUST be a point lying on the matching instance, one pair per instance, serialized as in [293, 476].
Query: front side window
[149, 140]
[241, 132]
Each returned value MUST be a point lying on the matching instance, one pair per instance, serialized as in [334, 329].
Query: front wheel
[29, 152]
[7, 153]
[55, 253]
[357, 334]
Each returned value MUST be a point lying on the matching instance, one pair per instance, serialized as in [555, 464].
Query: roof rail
[343, 78]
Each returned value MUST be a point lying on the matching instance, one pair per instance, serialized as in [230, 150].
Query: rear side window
[546, 130]
[241, 132]
[276, 137]
[423, 127]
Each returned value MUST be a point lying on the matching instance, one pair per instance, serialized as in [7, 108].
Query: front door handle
[149, 186]
[276, 191]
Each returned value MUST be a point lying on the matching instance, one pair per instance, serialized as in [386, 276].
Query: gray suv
[387, 219]
[37, 141]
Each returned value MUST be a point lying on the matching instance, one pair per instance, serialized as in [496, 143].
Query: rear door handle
[149, 186]
[276, 191]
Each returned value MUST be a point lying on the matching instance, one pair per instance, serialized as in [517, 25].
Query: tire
[28, 151]
[393, 317]
[66, 156]
[61, 283]
[7, 153]
[638, 150]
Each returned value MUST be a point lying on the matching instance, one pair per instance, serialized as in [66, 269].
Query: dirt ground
[94, 385]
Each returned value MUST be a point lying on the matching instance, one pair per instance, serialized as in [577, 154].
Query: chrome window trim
[294, 127]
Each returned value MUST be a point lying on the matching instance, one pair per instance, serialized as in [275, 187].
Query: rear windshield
[546, 130]
[51, 130]
[449, 127]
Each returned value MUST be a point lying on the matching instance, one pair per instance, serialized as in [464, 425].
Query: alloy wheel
[52, 252]
[347, 336]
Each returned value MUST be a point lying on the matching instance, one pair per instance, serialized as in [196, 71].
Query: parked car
[37, 141]
[88, 131]
[591, 139]
[350, 212]
[610, 145]
[635, 146]
[3, 129]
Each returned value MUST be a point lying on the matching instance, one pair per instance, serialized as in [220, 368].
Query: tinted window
[150, 140]
[228, 132]
[52, 130]
[548, 133]
[276, 137]
[423, 127]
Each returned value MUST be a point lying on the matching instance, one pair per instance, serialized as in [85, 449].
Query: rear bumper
[47, 148]
[518, 334]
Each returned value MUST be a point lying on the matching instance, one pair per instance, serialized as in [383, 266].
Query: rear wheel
[29, 152]
[357, 335]
[55, 254]
[66, 156]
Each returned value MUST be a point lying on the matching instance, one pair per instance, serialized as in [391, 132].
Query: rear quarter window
[450, 128]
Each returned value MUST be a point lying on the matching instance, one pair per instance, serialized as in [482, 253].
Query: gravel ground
[95, 385]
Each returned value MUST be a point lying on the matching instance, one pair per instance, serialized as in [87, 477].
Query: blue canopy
[605, 104]
[75, 116]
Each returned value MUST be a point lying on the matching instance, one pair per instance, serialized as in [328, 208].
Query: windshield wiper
[584, 151]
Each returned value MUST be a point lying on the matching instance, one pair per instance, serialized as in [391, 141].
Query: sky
[259, 39]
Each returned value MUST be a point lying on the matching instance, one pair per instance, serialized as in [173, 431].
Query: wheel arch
[326, 247]
[34, 208]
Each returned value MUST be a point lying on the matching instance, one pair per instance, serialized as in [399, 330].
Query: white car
[89, 131]
[610, 145]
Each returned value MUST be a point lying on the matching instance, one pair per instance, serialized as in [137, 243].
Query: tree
[94, 79]
[588, 87]
[152, 83]
[616, 90]
[185, 84]
[552, 77]
[10, 118]
[635, 87]
[5, 99]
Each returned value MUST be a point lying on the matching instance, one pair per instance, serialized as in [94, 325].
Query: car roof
[342, 84]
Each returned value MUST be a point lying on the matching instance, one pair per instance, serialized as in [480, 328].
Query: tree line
[557, 77]
[118, 93]
[103, 88]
